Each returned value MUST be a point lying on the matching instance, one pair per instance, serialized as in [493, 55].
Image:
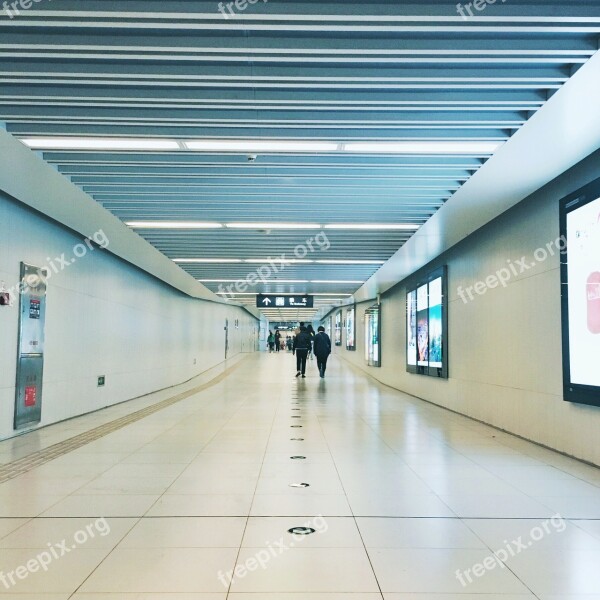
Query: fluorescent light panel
[296, 261]
[424, 147]
[173, 225]
[290, 226]
[329, 296]
[350, 262]
[374, 226]
[473, 147]
[243, 281]
[261, 146]
[207, 260]
[334, 281]
[291, 261]
[100, 143]
[271, 282]
[273, 226]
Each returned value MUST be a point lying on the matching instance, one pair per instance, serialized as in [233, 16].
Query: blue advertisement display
[422, 327]
[435, 323]
[426, 326]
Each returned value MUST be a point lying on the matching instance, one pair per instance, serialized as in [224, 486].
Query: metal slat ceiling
[340, 71]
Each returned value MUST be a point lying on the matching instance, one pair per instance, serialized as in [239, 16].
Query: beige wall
[504, 346]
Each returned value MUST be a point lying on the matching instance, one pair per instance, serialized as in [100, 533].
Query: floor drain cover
[298, 457]
[296, 417]
[295, 426]
[296, 439]
[301, 530]
[295, 409]
[299, 485]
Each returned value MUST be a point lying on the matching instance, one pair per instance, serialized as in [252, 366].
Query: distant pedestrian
[311, 332]
[322, 350]
[302, 344]
[277, 340]
[271, 341]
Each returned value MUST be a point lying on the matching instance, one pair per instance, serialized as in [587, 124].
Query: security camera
[252, 157]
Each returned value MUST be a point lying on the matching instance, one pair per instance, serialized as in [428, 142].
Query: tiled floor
[405, 499]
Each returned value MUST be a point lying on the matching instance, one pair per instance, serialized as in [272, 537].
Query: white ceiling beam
[561, 134]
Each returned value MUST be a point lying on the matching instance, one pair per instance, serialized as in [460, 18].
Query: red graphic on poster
[30, 395]
[593, 299]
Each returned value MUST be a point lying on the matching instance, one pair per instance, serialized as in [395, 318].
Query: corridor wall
[504, 345]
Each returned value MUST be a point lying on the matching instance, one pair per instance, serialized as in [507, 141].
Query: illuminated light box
[351, 329]
[427, 326]
[580, 292]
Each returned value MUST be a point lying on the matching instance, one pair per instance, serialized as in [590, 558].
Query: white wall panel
[105, 317]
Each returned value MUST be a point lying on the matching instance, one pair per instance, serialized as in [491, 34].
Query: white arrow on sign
[267, 301]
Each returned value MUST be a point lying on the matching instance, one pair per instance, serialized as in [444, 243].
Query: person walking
[277, 340]
[322, 350]
[302, 344]
[271, 341]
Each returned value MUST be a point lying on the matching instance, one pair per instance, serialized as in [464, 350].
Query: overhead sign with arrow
[273, 301]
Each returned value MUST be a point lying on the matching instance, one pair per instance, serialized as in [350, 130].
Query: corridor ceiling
[326, 73]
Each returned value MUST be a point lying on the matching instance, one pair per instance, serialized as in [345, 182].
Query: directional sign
[272, 301]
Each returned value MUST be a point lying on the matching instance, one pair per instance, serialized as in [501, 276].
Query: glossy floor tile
[203, 500]
[300, 570]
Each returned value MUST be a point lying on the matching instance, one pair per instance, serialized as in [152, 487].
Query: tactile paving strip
[36, 459]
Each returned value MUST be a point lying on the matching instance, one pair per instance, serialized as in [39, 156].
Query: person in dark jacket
[277, 340]
[271, 341]
[302, 344]
[322, 350]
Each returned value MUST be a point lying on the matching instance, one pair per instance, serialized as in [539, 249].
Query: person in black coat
[322, 350]
[302, 344]
[277, 340]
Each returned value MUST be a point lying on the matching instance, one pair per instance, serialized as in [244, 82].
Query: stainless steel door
[30, 349]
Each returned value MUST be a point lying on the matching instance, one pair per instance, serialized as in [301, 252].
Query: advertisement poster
[372, 341]
[338, 328]
[427, 326]
[583, 268]
[435, 323]
[411, 328]
[350, 329]
[328, 327]
[422, 327]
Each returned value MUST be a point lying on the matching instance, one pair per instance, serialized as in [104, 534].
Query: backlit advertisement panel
[411, 330]
[435, 323]
[350, 329]
[338, 328]
[427, 326]
[580, 274]
[373, 336]
[422, 327]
